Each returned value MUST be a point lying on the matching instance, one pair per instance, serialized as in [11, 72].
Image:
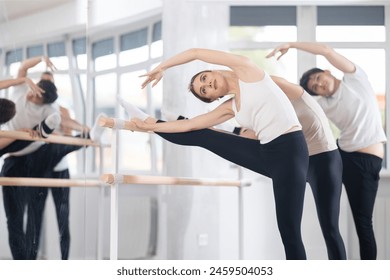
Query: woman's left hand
[35, 89]
[49, 63]
[154, 75]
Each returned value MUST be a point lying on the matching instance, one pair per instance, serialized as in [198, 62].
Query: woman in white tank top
[281, 152]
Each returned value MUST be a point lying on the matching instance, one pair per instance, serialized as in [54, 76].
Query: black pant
[15, 201]
[37, 199]
[325, 179]
[61, 202]
[284, 160]
[361, 179]
[38, 164]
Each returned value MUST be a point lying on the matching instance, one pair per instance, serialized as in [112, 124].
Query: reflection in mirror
[43, 219]
[86, 73]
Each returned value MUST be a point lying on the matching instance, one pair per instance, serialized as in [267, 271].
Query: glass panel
[14, 56]
[81, 61]
[263, 15]
[14, 68]
[263, 33]
[133, 56]
[105, 62]
[156, 49]
[60, 62]
[134, 39]
[350, 33]
[56, 49]
[286, 67]
[34, 51]
[156, 31]
[64, 88]
[105, 102]
[105, 92]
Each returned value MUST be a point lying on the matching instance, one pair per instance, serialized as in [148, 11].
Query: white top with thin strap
[265, 109]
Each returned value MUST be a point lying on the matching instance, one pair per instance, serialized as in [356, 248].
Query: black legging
[37, 199]
[61, 202]
[361, 179]
[38, 164]
[325, 178]
[285, 160]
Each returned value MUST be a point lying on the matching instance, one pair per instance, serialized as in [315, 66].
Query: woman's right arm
[11, 82]
[239, 64]
[18, 81]
[219, 115]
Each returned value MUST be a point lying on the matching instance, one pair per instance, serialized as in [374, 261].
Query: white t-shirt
[28, 115]
[265, 109]
[354, 110]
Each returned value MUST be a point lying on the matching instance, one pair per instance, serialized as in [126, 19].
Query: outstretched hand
[36, 90]
[49, 63]
[282, 49]
[154, 75]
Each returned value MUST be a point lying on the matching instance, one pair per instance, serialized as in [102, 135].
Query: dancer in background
[351, 105]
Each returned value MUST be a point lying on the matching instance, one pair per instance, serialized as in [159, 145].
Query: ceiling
[14, 9]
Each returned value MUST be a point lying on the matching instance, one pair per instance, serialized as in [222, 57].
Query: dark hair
[7, 110]
[191, 88]
[306, 77]
[47, 73]
[50, 95]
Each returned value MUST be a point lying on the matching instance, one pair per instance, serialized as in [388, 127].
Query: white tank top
[265, 109]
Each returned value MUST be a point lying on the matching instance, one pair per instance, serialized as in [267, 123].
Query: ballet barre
[116, 179]
[59, 139]
[48, 182]
[165, 180]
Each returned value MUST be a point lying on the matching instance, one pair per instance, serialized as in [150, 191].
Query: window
[134, 48]
[118, 62]
[357, 32]
[252, 30]
[103, 54]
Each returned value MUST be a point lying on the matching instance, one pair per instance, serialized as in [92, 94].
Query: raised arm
[11, 82]
[219, 115]
[334, 58]
[241, 65]
[18, 81]
[31, 62]
[292, 91]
